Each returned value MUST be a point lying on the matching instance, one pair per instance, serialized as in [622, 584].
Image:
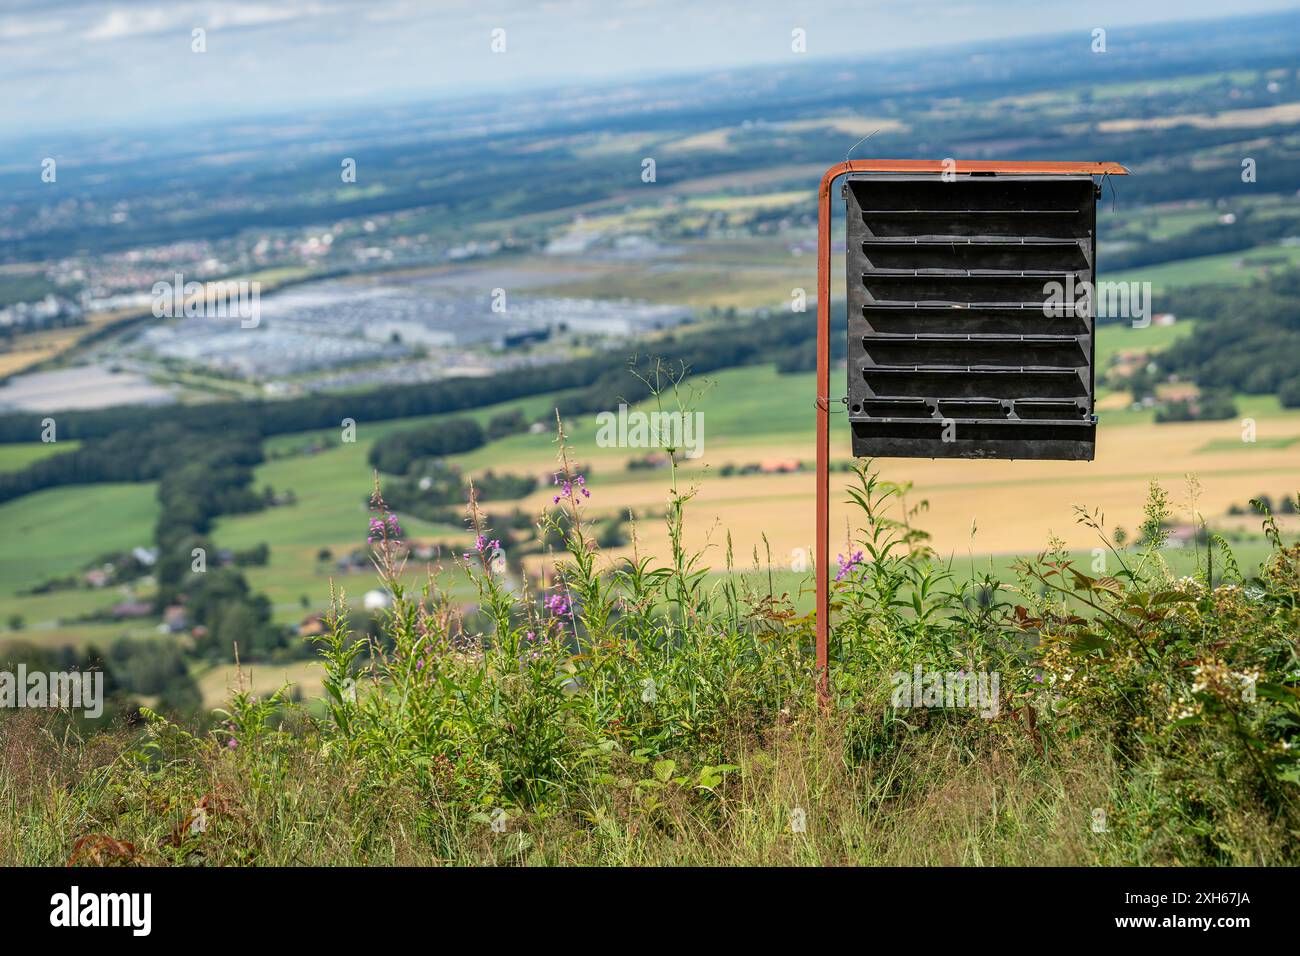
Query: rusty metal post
[821, 558]
[822, 555]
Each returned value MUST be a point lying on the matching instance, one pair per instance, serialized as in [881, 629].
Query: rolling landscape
[185, 499]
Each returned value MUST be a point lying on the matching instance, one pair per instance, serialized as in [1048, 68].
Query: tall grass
[629, 712]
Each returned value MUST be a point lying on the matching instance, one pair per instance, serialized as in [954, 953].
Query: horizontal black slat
[1057, 255]
[931, 194]
[992, 320]
[972, 383]
[1023, 440]
[959, 352]
[929, 288]
[885, 408]
[973, 408]
[1049, 411]
[1041, 225]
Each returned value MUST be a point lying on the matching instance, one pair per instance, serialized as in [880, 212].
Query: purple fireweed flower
[567, 486]
[483, 549]
[558, 605]
[384, 527]
[854, 562]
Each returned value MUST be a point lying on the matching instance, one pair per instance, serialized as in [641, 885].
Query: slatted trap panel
[970, 326]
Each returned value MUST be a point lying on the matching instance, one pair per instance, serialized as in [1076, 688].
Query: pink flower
[855, 561]
[558, 605]
[483, 549]
[567, 487]
[384, 528]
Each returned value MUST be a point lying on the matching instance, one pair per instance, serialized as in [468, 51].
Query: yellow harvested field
[1115, 401]
[305, 676]
[1015, 506]
[11, 363]
[34, 348]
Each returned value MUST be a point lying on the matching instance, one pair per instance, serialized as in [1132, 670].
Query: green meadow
[753, 410]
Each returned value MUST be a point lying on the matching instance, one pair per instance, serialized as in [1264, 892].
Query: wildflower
[483, 549]
[232, 743]
[856, 559]
[384, 527]
[567, 486]
[558, 605]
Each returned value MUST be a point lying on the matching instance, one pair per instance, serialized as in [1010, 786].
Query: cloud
[13, 29]
[126, 22]
[101, 61]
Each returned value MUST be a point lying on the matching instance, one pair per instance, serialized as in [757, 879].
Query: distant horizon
[45, 100]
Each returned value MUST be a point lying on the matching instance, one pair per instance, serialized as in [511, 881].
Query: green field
[58, 532]
[750, 414]
[1229, 268]
[750, 409]
[19, 456]
[1116, 337]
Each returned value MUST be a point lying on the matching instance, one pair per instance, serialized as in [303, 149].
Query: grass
[56, 532]
[1116, 337]
[18, 456]
[799, 586]
[683, 730]
[1166, 222]
[1229, 268]
[294, 573]
[1231, 444]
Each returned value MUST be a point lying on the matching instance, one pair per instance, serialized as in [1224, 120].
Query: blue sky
[102, 62]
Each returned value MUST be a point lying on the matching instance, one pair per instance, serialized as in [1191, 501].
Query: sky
[98, 63]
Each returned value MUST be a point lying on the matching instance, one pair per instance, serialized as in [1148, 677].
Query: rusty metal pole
[822, 556]
[821, 559]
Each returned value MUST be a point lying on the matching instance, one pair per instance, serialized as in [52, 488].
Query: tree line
[1246, 340]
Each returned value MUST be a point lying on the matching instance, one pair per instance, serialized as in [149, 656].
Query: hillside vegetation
[632, 713]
